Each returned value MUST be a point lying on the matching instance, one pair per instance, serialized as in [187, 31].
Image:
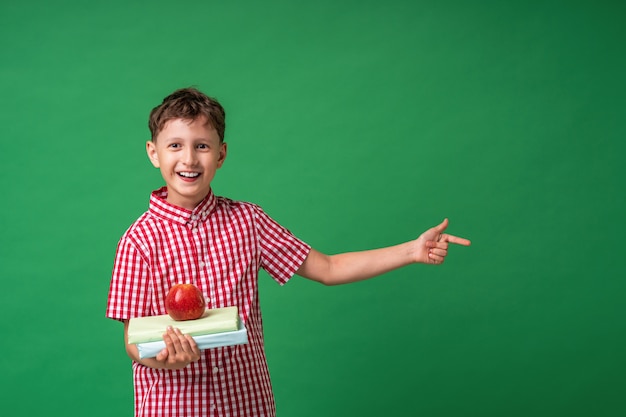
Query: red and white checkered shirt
[219, 247]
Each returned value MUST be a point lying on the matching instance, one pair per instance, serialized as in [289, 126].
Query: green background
[356, 124]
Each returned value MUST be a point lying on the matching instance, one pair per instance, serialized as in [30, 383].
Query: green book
[151, 329]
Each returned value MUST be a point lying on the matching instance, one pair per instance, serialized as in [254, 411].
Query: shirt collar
[164, 210]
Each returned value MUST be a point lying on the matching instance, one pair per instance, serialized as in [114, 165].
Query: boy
[190, 235]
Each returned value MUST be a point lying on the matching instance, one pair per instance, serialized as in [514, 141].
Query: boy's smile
[188, 153]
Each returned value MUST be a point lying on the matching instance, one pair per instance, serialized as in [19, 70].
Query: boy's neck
[185, 204]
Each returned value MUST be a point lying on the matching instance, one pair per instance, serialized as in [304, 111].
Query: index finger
[172, 344]
[458, 240]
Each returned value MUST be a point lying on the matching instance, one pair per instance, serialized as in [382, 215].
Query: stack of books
[217, 327]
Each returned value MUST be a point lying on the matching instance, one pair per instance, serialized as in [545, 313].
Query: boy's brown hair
[187, 104]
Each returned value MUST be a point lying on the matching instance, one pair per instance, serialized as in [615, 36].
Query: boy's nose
[189, 157]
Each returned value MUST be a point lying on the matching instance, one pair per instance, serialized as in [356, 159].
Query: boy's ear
[223, 152]
[152, 153]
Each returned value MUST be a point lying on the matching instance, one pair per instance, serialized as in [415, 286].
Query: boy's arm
[180, 350]
[431, 247]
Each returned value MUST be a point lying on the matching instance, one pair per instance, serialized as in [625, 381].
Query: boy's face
[188, 155]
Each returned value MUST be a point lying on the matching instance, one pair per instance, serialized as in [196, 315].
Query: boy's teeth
[189, 174]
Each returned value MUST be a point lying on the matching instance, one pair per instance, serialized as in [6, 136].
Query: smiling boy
[188, 153]
[190, 235]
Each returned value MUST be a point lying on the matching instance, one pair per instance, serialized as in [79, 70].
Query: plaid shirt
[219, 247]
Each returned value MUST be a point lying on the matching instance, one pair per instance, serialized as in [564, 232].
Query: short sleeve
[281, 252]
[129, 294]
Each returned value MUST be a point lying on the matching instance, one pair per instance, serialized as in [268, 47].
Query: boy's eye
[203, 146]
[174, 145]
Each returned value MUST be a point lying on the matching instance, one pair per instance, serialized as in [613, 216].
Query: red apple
[184, 302]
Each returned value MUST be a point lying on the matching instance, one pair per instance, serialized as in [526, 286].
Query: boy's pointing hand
[432, 245]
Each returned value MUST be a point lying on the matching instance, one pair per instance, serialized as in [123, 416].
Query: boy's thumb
[443, 225]
[162, 355]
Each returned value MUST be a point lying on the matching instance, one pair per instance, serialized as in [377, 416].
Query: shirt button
[201, 264]
[216, 369]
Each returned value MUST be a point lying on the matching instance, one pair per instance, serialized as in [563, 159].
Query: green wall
[356, 124]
